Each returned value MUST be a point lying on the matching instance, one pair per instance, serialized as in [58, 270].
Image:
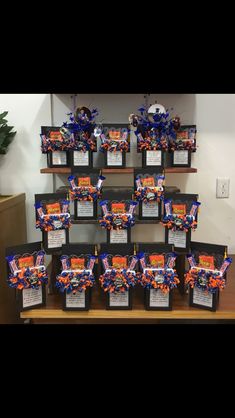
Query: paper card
[157, 260]
[31, 297]
[53, 208]
[77, 263]
[119, 262]
[178, 238]
[153, 158]
[26, 262]
[118, 208]
[201, 297]
[118, 236]
[114, 158]
[85, 208]
[179, 209]
[119, 299]
[158, 298]
[84, 181]
[206, 262]
[180, 157]
[148, 182]
[76, 300]
[59, 158]
[56, 238]
[150, 209]
[80, 158]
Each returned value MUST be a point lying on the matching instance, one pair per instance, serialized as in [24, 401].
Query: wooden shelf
[128, 170]
[95, 221]
[62, 170]
[98, 314]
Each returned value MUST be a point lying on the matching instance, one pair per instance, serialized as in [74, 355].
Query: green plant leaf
[6, 129]
[2, 115]
[11, 134]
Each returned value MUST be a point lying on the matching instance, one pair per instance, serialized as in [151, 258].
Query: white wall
[20, 167]
[215, 119]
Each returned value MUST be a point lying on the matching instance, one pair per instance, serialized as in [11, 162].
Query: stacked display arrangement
[115, 143]
[77, 276]
[158, 276]
[207, 274]
[72, 143]
[27, 274]
[118, 273]
[118, 276]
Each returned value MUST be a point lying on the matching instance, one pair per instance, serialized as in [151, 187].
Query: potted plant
[6, 134]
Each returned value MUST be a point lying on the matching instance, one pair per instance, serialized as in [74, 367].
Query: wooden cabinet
[12, 232]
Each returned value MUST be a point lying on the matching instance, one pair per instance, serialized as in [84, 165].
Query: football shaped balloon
[155, 109]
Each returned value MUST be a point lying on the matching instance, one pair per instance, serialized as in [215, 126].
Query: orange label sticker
[77, 263]
[119, 262]
[206, 261]
[148, 182]
[182, 135]
[157, 260]
[53, 208]
[179, 209]
[115, 135]
[118, 208]
[26, 262]
[55, 136]
[84, 181]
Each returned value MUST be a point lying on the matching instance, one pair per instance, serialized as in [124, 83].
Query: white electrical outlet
[222, 188]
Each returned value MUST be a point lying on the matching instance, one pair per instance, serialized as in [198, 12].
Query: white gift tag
[201, 297]
[56, 238]
[178, 238]
[118, 236]
[85, 208]
[150, 209]
[80, 158]
[180, 157]
[153, 158]
[119, 299]
[114, 158]
[158, 298]
[31, 297]
[59, 158]
[76, 300]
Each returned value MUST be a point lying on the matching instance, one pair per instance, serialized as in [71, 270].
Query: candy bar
[39, 208]
[191, 260]
[138, 182]
[65, 262]
[225, 265]
[65, 206]
[40, 258]
[133, 262]
[103, 204]
[100, 181]
[139, 136]
[171, 260]
[12, 263]
[194, 208]
[104, 258]
[141, 257]
[168, 208]
[132, 207]
[160, 180]
[91, 262]
[71, 180]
